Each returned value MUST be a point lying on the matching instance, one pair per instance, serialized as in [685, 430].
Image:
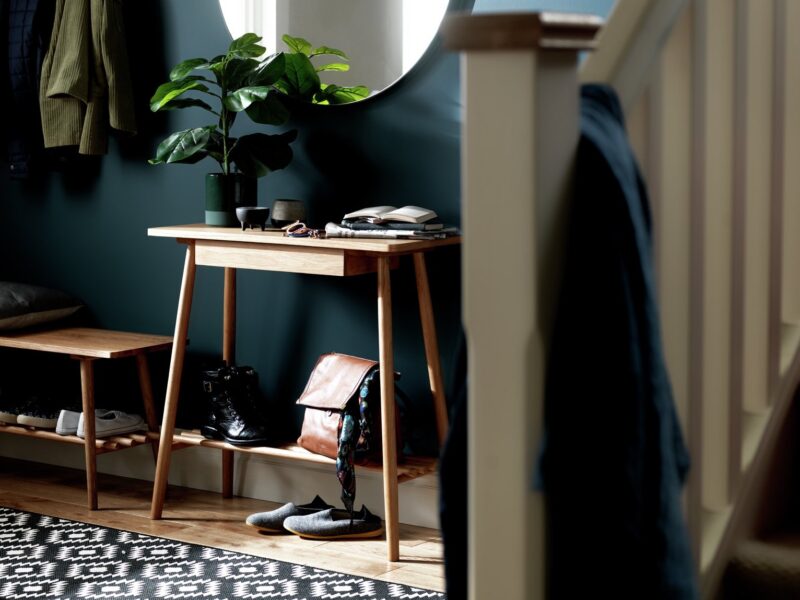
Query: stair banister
[519, 134]
[630, 44]
[709, 99]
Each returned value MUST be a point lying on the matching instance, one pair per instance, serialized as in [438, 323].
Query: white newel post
[520, 129]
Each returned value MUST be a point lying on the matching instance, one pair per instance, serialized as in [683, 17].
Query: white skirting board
[256, 476]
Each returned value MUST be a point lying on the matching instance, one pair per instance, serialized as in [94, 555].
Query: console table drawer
[313, 261]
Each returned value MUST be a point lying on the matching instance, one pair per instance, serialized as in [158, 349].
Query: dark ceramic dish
[252, 216]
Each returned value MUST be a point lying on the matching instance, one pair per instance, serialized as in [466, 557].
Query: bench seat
[87, 345]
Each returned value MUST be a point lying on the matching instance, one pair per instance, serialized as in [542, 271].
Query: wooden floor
[207, 519]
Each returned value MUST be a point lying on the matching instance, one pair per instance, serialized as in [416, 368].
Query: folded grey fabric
[333, 524]
[272, 521]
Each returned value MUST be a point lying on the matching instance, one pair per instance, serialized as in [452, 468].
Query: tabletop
[276, 238]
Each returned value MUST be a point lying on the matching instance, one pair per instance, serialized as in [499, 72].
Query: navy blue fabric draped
[614, 461]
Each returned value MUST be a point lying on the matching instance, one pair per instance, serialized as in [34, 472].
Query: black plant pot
[224, 193]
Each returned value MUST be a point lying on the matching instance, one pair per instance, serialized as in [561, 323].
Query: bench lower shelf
[109, 444]
[410, 468]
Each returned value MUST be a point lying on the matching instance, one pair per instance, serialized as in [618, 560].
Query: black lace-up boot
[233, 416]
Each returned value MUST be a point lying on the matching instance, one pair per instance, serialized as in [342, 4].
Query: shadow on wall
[145, 40]
[349, 174]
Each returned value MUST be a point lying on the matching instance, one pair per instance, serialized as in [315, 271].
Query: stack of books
[391, 222]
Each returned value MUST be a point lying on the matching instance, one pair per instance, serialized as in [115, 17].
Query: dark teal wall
[84, 229]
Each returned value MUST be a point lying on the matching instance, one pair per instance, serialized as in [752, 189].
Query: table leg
[146, 387]
[229, 356]
[229, 317]
[388, 410]
[89, 437]
[173, 384]
[431, 346]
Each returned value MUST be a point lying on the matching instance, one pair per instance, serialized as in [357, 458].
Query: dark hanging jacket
[29, 26]
[614, 460]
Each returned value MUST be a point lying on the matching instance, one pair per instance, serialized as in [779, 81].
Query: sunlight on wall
[421, 20]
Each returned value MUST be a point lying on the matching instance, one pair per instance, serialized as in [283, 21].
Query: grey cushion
[23, 305]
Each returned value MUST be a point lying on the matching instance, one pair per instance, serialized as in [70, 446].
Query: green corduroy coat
[86, 86]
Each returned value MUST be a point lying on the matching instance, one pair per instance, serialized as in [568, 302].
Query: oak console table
[231, 249]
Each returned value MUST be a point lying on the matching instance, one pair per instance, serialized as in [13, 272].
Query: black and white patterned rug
[48, 557]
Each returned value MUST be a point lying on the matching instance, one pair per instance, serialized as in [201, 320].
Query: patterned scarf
[354, 431]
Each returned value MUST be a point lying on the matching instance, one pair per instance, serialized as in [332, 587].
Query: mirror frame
[422, 65]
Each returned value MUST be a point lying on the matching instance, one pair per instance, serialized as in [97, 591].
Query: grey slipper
[335, 524]
[272, 521]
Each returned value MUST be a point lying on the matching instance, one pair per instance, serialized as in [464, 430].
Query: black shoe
[232, 415]
[41, 412]
[9, 409]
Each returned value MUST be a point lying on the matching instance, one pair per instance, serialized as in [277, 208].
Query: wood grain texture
[388, 431]
[90, 451]
[229, 317]
[174, 383]
[85, 342]
[512, 31]
[431, 347]
[146, 388]
[313, 261]
[410, 468]
[229, 357]
[205, 518]
[102, 445]
[232, 249]
[234, 234]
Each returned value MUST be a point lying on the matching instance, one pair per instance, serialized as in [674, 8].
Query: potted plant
[240, 81]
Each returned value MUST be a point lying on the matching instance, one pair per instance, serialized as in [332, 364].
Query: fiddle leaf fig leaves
[258, 154]
[245, 80]
[334, 67]
[269, 71]
[172, 89]
[328, 50]
[246, 46]
[181, 70]
[183, 146]
[242, 98]
[297, 45]
[300, 78]
[334, 94]
[186, 103]
[239, 81]
[237, 72]
[272, 111]
[299, 81]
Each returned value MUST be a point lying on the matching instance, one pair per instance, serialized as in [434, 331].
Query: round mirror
[381, 40]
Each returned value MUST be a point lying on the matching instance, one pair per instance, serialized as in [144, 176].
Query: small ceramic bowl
[252, 216]
[286, 212]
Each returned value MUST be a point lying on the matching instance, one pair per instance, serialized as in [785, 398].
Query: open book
[379, 214]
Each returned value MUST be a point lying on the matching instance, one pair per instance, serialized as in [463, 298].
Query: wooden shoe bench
[87, 345]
